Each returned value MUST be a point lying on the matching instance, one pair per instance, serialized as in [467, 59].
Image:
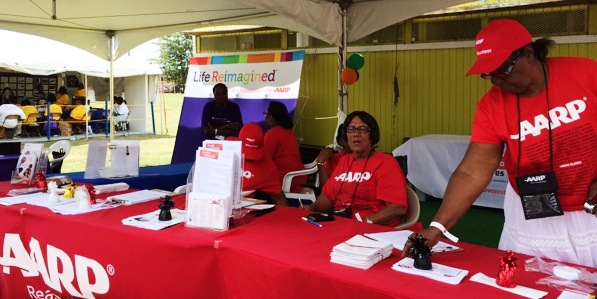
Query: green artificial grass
[480, 225]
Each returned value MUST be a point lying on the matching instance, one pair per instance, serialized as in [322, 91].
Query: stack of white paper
[151, 220]
[72, 208]
[236, 148]
[438, 272]
[215, 186]
[13, 200]
[360, 252]
[136, 197]
[108, 188]
[208, 210]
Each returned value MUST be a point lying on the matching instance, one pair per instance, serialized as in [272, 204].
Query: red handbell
[91, 192]
[505, 277]
[41, 180]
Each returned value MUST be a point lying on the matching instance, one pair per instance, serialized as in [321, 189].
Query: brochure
[151, 220]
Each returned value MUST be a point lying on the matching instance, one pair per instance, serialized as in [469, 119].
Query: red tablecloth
[277, 255]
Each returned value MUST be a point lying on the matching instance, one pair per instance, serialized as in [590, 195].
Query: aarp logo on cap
[486, 51]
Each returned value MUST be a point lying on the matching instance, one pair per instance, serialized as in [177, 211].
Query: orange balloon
[349, 76]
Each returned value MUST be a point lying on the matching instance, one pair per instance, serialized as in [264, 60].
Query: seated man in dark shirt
[221, 118]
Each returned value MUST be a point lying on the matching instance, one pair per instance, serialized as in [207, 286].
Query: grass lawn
[155, 149]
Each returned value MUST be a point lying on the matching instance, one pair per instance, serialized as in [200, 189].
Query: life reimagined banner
[253, 80]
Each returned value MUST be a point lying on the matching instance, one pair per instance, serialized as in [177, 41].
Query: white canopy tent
[41, 56]
[35, 55]
[110, 28]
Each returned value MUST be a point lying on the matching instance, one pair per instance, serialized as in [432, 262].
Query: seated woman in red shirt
[281, 144]
[367, 185]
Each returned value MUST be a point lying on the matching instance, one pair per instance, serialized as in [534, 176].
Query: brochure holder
[213, 191]
[124, 159]
[32, 160]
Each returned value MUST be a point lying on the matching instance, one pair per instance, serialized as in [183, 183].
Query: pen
[312, 222]
[358, 216]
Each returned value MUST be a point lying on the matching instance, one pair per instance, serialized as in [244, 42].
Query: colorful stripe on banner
[249, 58]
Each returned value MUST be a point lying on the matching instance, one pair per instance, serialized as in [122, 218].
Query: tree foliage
[175, 52]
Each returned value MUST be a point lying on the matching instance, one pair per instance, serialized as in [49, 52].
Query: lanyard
[548, 123]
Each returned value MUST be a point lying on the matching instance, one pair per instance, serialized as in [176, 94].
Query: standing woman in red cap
[543, 113]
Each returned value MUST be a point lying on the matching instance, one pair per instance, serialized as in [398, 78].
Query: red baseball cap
[251, 136]
[496, 42]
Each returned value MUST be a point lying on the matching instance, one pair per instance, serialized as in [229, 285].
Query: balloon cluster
[350, 75]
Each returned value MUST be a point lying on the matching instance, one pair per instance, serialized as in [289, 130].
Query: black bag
[57, 166]
[538, 195]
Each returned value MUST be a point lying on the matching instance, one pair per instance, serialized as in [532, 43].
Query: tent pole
[111, 35]
[87, 111]
[342, 90]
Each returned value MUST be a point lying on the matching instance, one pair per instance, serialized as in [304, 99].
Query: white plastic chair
[414, 209]
[310, 168]
[182, 189]
[247, 193]
[123, 124]
[59, 146]
[8, 128]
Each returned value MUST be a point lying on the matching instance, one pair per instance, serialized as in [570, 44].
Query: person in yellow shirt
[81, 91]
[28, 108]
[54, 108]
[62, 97]
[79, 112]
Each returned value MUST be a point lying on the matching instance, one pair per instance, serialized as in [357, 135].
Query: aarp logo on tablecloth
[37, 262]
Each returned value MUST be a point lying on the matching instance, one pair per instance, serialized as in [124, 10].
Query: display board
[23, 85]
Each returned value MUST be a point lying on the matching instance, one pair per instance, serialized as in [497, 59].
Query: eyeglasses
[361, 129]
[504, 71]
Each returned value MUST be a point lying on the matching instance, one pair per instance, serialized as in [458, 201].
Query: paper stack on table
[13, 200]
[72, 208]
[360, 252]
[151, 220]
[520, 290]
[108, 188]
[438, 272]
[135, 197]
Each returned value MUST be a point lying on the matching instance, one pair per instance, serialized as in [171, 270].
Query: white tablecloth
[432, 159]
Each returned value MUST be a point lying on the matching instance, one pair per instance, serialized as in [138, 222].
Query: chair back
[31, 124]
[58, 150]
[56, 154]
[12, 116]
[287, 181]
[413, 210]
[182, 189]
[32, 119]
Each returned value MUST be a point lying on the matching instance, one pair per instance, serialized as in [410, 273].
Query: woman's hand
[432, 235]
[325, 154]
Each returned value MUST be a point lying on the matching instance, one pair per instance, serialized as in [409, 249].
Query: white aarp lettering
[102, 282]
[353, 177]
[32, 264]
[538, 178]
[558, 115]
